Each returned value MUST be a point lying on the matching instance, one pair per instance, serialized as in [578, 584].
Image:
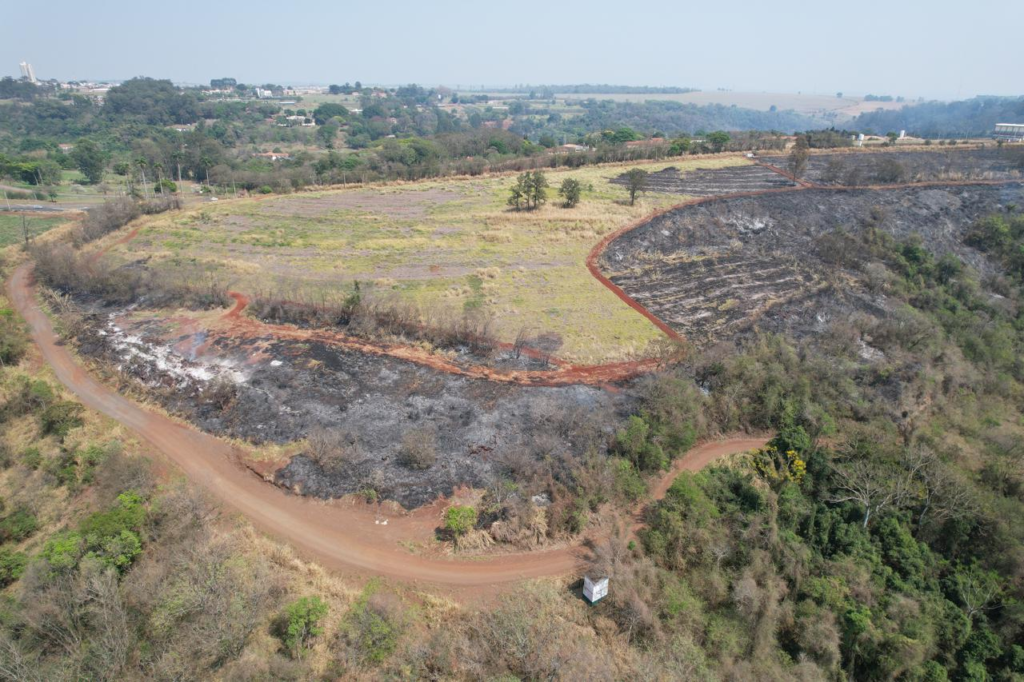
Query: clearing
[448, 246]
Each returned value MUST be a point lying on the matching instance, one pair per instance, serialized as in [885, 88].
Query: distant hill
[966, 118]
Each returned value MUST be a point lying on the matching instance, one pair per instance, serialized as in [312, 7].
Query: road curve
[333, 535]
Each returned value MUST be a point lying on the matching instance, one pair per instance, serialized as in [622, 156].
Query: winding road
[342, 535]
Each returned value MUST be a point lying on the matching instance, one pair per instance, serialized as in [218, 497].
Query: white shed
[595, 588]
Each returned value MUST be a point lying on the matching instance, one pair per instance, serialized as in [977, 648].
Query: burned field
[713, 269]
[707, 182]
[855, 168]
[351, 422]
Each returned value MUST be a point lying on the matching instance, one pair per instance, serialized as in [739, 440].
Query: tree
[519, 193]
[303, 623]
[718, 140]
[636, 182]
[459, 519]
[570, 191]
[872, 485]
[538, 188]
[798, 157]
[90, 160]
[328, 110]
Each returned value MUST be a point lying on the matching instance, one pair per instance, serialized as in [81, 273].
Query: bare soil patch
[402, 205]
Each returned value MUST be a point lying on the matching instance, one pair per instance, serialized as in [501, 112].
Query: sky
[937, 49]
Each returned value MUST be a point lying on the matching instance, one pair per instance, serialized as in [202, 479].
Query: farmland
[449, 247]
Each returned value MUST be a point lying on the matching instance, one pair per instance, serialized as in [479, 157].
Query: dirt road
[342, 535]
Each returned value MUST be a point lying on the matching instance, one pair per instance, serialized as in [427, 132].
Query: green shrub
[12, 338]
[459, 520]
[32, 458]
[373, 625]
[59, 418]
[12, 565]
[302, 624]
[18, 526]
[266, 189]
[634, 443]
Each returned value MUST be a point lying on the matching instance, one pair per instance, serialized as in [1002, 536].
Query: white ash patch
[162, 360]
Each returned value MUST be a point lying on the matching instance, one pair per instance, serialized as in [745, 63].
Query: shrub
[266, 189]
[303, 624]
[634, 443]
[18, 525]
[12, 338]
[12, 565]
[570, 191]
[419, 448]
[459, 519]
[59, 418]
[373, 625]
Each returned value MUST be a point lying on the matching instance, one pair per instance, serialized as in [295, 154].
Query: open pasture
[448, 246]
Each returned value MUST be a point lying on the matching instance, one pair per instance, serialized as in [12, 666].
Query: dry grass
[441, 244]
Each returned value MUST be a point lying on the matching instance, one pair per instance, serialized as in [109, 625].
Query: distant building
[1009, 132]
[274, 156]
[66, 148]
[27, 71]
[595, 588]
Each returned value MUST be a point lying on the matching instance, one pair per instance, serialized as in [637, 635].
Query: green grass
[11, 231]
[468, 252]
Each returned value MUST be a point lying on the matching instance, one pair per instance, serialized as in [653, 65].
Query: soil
[404, 205]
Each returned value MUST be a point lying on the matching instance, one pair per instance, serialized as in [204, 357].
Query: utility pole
[7, 200]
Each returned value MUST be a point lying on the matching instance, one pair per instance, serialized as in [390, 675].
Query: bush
[419, 449]
[634, 443]
[12, 338]
[571, 191]
[373, 625]
[459, 520]
[12, 565]
[59, 418]
[18, 526]
[303, 624]
[266, 189]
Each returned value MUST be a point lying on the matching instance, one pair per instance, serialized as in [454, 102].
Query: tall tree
[90, 160]
[636, 182]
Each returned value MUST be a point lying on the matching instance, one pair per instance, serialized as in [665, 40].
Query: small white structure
[1009, 132]
[595, 588]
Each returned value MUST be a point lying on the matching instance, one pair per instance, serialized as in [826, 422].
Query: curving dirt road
[341, 535]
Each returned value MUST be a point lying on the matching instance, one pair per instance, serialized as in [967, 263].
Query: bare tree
[873, 486]
[977, 589]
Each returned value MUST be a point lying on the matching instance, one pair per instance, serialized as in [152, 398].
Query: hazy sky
[930, 48]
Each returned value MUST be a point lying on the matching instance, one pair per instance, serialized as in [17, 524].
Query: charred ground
[712, 268]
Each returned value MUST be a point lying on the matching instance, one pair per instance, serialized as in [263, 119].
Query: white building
[1009, 132]
[595, 588]
[27, 71]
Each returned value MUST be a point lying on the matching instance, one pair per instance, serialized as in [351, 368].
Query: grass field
[11, 231]
[447, 245]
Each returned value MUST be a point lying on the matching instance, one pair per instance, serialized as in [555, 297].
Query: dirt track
[341, 536]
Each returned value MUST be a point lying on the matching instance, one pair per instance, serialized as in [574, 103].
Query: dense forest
[975, 117]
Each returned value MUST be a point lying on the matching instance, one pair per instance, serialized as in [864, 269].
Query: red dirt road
[341, 535]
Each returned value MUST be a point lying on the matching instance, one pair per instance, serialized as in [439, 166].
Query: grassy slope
[522, 268]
